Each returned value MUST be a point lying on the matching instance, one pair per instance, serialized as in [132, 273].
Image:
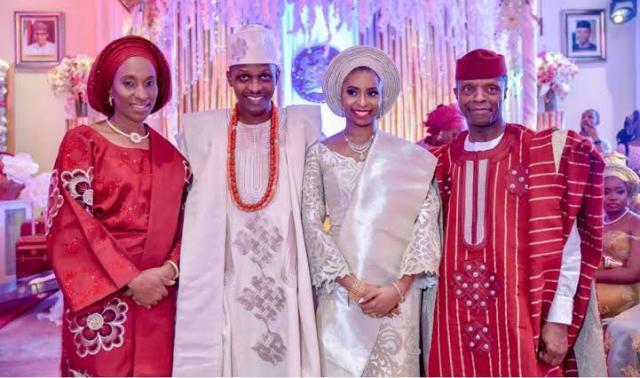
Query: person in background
[589, 122]
[114, 221]
[628, 132]
[618, 278]
[629, 140]
[443, 124]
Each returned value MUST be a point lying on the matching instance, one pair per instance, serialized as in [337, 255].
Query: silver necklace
[134, 137]
[617, 219]
[360, 149]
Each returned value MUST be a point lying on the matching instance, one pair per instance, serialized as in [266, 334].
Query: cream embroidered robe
[245, 306]
[384, 224]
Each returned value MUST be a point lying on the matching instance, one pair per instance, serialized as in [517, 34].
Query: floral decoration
[19, 168]
[554, 74]
[69, 79]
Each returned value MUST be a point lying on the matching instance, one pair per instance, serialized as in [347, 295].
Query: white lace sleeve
[422, 257]
[325, 259]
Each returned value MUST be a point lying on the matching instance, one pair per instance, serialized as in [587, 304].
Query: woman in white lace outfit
[370, 218]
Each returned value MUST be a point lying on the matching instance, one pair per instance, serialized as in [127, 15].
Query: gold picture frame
[584, 34]
[39, 38]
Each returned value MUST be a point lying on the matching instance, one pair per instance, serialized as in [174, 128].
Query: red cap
[109, 60]
[480, 64]
[445, 117]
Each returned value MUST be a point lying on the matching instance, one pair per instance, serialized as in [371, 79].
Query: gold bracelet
[395, 286]
[356, 291]
[175, 269]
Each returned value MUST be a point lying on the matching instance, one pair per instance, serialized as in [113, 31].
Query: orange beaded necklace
[273, 162]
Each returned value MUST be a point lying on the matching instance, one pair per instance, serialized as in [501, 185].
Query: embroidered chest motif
[516, 180]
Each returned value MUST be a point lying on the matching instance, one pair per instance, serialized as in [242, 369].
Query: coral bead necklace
[273, 162]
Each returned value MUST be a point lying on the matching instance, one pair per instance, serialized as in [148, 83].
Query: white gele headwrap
[252, 44]
[361, 56]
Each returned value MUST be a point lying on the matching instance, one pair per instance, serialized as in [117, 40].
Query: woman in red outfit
[114, 220]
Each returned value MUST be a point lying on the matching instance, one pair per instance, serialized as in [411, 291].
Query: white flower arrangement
[69, 78]
[20, 182]
[36, 190]
[19, 168]
[554, 74]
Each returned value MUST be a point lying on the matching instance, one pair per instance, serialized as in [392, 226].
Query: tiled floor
[30, 346]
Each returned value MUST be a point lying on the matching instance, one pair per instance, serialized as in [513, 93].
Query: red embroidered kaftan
[113, 212]
[508, 213]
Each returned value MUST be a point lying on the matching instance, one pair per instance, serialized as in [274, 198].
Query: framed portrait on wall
[39, 38]
[584, 36]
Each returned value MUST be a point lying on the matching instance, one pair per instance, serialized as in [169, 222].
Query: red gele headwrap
[480, 64]
[445, 117]
[109, 60]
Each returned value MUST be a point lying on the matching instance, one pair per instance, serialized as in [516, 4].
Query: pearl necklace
[617, 219]
[359, 148]
[134, 137]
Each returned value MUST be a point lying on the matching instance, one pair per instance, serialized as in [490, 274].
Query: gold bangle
[395, 286]
[175, 269]
[356, 291]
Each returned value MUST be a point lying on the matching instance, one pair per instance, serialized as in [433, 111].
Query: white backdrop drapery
[424, 37]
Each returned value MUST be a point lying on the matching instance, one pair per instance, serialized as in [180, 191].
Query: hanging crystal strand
[201, 26]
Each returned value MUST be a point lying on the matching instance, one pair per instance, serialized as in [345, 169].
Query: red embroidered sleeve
[88, 262]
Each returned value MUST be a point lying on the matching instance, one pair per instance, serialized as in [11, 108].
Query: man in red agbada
[523, 238]
[114, 221]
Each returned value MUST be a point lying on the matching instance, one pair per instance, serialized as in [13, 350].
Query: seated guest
[443, 125]
[113, 221]
[629, 140]
[589, 122]
[618, 280]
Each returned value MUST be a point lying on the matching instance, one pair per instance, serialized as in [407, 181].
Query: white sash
[377, 230]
